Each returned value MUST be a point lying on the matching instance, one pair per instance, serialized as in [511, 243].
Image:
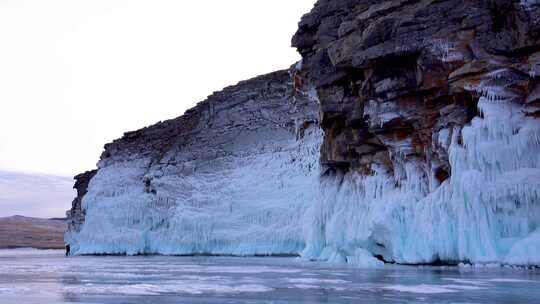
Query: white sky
[35, 195]
[77, 74]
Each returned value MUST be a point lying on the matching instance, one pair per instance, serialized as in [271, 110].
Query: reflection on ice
[179, 287]
[44, 277]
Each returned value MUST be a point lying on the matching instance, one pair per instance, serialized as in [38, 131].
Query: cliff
[230, 176]
[408, 133]
[430, 113]
[391, 75]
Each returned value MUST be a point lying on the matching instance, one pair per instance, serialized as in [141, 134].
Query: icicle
[485, 214]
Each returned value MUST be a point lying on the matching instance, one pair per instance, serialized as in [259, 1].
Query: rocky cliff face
[75, 216]
[430, 113]
[426, 143]
[391, 75]
[231, 176]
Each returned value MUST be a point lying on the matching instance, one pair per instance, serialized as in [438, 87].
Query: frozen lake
[31, 276]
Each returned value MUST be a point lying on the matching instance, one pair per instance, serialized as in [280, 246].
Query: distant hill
[19, 231]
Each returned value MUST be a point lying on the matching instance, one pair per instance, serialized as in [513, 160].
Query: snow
[503, 280]
[269, 199]
[14, 290]
[179, 287]
[312, 281]
[238, 269]
[5, 253]
[305, 286]
[422, 288]
[465, 281]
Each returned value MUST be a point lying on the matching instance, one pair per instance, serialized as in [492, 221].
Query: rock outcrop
[230, 176]
[425, 148]
[430, 115]
[392, 74]
[75, 216]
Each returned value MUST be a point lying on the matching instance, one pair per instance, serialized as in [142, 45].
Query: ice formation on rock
[487, 212]
[408, 133]
[237, 183]
[430, 114]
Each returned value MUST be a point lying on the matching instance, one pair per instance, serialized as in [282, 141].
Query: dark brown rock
[403, 70]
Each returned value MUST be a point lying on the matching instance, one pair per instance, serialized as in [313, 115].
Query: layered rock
[389, 71]
[430, 114]
[230, 176]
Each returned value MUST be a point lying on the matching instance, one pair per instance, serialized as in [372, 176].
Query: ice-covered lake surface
[31, 276]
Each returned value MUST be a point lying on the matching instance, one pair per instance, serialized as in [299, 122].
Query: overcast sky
[34, 195]
[77, 74]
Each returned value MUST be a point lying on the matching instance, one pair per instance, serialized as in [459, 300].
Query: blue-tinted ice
[31, 276]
